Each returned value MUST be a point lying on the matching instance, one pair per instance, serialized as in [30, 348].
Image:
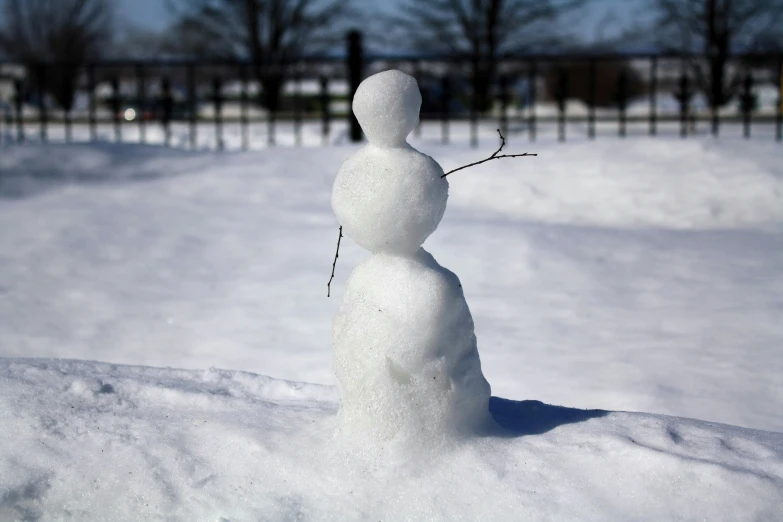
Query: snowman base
[405, 353]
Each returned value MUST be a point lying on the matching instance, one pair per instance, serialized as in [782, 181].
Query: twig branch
[336, 255]
[494, 156]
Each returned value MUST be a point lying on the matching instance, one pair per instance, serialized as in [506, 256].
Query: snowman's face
[389, 199]
[387, 106]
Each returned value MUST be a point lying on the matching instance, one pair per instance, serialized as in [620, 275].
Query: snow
[94, 441]
[389, 199]
[406, 359]
[387, 106]
[388, 196]
[642, 275]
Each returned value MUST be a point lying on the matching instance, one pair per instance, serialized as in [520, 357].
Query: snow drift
[95, 441]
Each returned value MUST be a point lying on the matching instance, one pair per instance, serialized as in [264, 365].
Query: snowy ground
[100, 442]
[640, 275]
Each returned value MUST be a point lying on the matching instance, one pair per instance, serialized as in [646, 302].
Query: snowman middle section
[405, 352]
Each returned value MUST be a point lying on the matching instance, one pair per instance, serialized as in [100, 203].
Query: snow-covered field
[90, 441]
[638, 275]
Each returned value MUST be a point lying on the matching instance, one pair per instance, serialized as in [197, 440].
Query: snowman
[405, 351]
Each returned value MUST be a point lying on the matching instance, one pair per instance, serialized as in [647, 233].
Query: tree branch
[494, 156]
[336, 255]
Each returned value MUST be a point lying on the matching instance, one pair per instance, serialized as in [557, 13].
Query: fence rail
[527, 92]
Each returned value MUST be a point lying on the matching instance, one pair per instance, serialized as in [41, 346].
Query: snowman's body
[405, 349]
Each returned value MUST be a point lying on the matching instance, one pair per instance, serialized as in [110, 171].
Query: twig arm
[494, 156]
[334, 264]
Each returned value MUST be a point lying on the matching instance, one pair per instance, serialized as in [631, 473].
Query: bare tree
[136, 42]
[63, 33]
[481, 31]
[271, 33]
[717, 28]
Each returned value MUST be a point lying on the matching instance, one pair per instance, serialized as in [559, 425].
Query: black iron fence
[576, 95]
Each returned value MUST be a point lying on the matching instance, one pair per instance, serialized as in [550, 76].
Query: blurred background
[213, 73]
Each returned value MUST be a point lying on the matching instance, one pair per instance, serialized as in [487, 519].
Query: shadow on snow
[519, 418]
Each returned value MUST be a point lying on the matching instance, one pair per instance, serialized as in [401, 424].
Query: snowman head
[388, 196]
[387, 106]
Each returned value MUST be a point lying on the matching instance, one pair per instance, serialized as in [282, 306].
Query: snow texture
[387, 106]
[388, 196]
[95, 442]
[405, 351]
[638, 274]
[389, 199]
[405, 354]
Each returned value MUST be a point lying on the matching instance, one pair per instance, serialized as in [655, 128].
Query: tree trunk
[717, 47]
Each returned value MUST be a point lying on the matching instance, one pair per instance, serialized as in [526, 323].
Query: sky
[150, 14]
[598, 17]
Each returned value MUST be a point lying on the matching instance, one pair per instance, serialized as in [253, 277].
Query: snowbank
[93, 441]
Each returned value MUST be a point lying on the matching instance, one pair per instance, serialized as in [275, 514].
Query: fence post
[67, 119]
[191, 74]
[116, 106]
[591, 101]
[243, 105]
[474, 108]
[622, 101]
[298, 106]
[325, 115]
[92, 116]
[714, 117]
[42, 112]
[445, 101]
[217, 100]
[683, 96]
[167, 106]
[8, 127]
[141, 94]
[532, 114]
[68, 126]
[748, 101]
[355, 66]
[779, 116]
[18, 104]
[272, 105]
[562, 97]
[504, 104]
[653, 95]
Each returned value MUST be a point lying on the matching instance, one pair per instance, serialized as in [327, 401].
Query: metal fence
[567, 94]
